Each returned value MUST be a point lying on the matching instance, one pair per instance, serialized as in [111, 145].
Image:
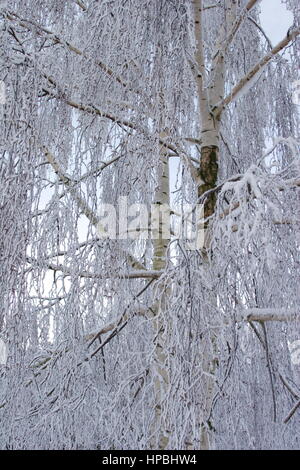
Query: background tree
[142, 343]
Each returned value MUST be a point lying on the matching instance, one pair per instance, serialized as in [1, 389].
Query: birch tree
[139, 342]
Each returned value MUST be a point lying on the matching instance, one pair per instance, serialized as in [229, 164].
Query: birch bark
[160, 245]
[208, 172]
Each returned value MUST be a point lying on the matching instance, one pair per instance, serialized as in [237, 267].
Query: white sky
[275, 19]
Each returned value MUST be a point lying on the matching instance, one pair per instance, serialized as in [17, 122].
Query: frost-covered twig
[248, 7]
[258, 26]
[82, 204]
[92, 109]
[115, 326]
[38, 29]
[251, 75]
[270, 314]
[141, 274]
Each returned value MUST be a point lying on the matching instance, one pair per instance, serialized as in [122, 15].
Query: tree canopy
[140, 342]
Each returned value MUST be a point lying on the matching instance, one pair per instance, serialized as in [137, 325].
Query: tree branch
[262, 31]
[219, 107]
[81, 5]
[269, 314]
[38, 29]
[81, 203]
[91, 109]
[139, 274]
[237, 24]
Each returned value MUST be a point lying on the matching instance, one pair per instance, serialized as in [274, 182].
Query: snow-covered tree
[140, 342]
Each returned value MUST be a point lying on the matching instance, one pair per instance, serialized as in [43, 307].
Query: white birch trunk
[160, 366]
[208, 172]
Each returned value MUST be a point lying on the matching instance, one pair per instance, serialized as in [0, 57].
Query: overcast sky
[275, 19]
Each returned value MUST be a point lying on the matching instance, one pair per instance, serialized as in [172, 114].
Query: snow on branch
[244, 85]
[238, 23]
[88, 212]
[92, 109]
[140, 274]
[252, 202]
[290, 142]
[132, 309]
[38, 29]
[258, 26]
[270, 314]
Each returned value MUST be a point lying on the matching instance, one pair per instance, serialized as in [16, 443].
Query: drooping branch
[237, 23]
[68, 182]
[250, 78]
[88, 212]
[41, 30]
[118, 324]
[115, 326]
[94, 110]
[258, 26]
